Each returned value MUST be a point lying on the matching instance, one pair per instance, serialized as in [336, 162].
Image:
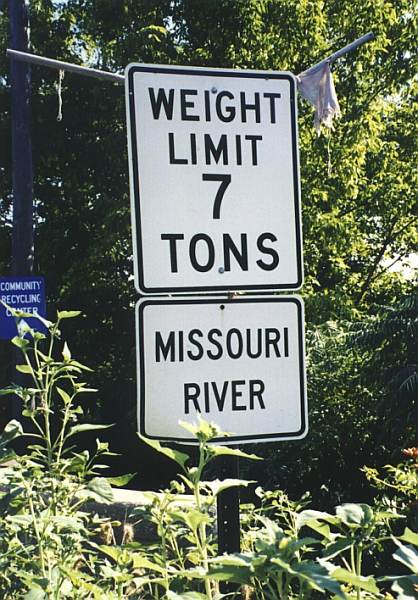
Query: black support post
[22, 172]
[228, 515]
[20, 80]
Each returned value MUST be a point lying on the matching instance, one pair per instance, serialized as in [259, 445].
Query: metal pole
[349, 48]
[98, 74]
[64, 66]
[22, 172]
[228, 515]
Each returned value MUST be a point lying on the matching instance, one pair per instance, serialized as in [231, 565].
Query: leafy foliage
[46, 542]
[390, 338]
[43, 530]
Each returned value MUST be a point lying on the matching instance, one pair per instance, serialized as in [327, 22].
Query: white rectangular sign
[214, 179]
[237, 362]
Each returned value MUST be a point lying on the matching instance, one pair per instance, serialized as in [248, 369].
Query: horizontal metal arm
[88, 72]
[349, 48]
[64, 66]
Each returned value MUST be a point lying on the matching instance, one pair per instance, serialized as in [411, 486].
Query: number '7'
[225, 181]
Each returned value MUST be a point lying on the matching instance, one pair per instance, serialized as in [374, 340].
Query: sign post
[238, 362]
[215, 202]
[229, 533]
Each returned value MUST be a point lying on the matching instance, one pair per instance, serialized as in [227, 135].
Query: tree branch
[390, 237]
[380, 273]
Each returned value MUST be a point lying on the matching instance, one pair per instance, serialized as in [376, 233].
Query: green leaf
[227, 451]
[68, 314]
[408, 556]
[16, 313]
[141, 562]
[24, 369]
[121, 480]
[20, 342]
[308, 515]
[12, 430]
[7, 391]
[6, 454]
[21, 392]
[237, 568]
[336, 548]
[357, 581]
[66, 398]
[113, 551]
[231, 574]
[304, 542]
[23, 520]
[37, 335]
[97, 489]
[216, 486]
[48, 324]
[77, 364]
[68, 523]
[406, 588]
[101, 489]
[86, 427]
[234, 560]
[318, 521]
[23, 328]
[385, 515]
[410, 537]
[318, 578]
[81, 579]
[179, 457]
[203, 430]
[194, 519]
[66, 352]
[355, 515]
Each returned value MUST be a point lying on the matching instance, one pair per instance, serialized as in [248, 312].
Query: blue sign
[21, 293]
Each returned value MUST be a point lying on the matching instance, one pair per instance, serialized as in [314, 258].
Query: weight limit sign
[214, 179]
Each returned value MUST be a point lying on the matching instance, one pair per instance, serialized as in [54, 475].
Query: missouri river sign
[239, 363]
[214, 179]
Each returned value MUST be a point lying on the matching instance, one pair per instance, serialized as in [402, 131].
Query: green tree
[390, 339]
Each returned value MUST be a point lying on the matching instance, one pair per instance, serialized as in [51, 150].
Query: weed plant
[49, 544]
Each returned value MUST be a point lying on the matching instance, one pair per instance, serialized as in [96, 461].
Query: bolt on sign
[239, 363]
[214, 179]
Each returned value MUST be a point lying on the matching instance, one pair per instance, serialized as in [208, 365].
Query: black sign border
[142, 304]
[142, 288]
